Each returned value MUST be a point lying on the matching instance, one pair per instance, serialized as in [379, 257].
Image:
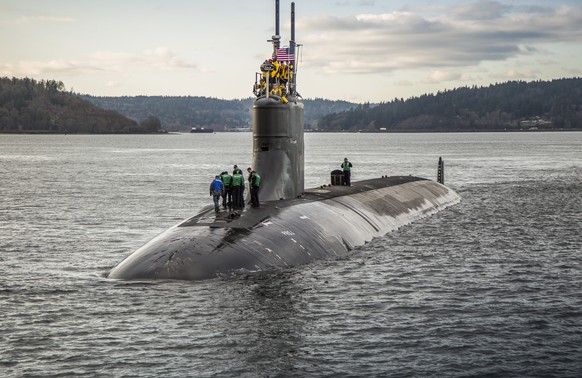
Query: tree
[151, 124]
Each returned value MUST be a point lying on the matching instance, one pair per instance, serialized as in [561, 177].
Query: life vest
[256, 180]
[284, 72]
[237, 180]
[226, 180]
[346, 166]
[276, 71]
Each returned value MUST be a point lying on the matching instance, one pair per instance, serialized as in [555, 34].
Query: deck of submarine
[250, 217]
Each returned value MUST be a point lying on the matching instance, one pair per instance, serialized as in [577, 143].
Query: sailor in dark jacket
[255, 184]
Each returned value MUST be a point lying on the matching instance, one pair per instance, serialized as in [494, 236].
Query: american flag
[285, 54]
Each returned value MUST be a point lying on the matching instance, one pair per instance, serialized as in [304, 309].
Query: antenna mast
[292, 43]
[276, 39]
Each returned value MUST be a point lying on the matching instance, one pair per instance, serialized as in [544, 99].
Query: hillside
[27, 105]
[30, 106]
[515, 105]
[182, 113]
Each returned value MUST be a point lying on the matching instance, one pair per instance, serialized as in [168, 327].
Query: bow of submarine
[325, 222]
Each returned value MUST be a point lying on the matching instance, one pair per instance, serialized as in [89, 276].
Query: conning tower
[278, 121]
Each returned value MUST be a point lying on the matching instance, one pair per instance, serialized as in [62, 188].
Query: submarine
[292, 226]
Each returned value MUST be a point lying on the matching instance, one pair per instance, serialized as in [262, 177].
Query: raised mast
[277, 16]
[292, 44]
[276, 39]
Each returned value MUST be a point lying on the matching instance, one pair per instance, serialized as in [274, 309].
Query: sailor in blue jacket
[216, 191]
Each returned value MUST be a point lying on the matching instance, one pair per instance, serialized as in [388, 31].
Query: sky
[354, 50]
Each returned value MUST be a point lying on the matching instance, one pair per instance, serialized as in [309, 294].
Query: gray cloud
[376, 43]
[481, 10]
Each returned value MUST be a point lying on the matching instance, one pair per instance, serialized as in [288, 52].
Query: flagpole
[296, 65]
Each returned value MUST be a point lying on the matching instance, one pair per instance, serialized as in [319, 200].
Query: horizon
[440, 91]
[357, 51]
[361, 103]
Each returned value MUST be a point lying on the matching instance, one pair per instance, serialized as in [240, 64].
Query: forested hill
[515, 105]
[183, 113]
[31, 106]
[27, 105]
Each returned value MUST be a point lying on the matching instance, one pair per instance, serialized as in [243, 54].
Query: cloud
[440, 76]
[367, 3]
[515, 74]
[158, 59]
[113, 84]
[481, 10]
[456, 37]
[35, 19]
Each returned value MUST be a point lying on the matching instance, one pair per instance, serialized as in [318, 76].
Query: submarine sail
[278, 121]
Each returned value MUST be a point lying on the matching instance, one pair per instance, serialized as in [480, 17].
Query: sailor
[276, 71]
[241, 190]
[227, 196]
[274, 90]
[284, 72]
[260, 87]
[216, 191]
[255, 183]
[283, 92]
[249, 170]
[241, 194]
[236, 169]
[238, 183]
[346, 166]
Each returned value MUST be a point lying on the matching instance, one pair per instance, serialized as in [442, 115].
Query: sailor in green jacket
[238, 182]
[255, 184]
[227, 196]
[346, 166]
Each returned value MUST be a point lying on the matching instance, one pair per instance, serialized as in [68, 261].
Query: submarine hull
[324, 223]
[292, 226]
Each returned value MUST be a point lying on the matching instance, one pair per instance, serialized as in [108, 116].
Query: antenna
[292, 41]
[277, 37]
[276, 17]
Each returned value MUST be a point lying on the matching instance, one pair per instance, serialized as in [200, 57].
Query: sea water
[489, 287]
